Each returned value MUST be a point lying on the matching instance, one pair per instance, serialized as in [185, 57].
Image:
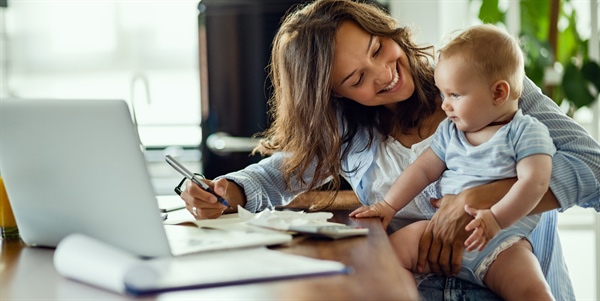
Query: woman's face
[371, 70]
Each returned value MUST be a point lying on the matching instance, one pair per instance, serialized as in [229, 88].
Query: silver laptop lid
[77, 166]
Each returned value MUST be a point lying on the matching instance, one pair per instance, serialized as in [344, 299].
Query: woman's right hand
[203, 205]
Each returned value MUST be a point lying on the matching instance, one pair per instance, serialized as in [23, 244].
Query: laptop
[77, 166]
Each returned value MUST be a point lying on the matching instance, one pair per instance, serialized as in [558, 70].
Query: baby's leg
[516, 275]
[406, 245]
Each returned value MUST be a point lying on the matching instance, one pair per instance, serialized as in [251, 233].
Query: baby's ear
[501, 92]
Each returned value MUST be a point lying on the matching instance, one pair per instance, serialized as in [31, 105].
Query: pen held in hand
[194, 178]
[205, 186]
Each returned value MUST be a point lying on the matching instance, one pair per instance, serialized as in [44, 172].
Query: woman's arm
[262, 184]
[256, 187]
[576, 165]
[442, 243]
[485, 196]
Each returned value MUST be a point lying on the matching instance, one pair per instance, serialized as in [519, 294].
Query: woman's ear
[501, 92]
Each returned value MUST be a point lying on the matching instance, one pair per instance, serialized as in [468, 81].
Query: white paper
[269, 219]
[90, 261]
[244, 220]
[227, 267]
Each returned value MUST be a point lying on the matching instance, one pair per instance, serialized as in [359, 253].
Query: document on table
[94, 262]
[267, 219]
[314, 223]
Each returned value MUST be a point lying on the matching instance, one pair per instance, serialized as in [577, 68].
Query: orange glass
[8, 225]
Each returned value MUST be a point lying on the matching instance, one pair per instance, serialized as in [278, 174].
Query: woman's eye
[378, 50]
[360, 78]
[442, 96]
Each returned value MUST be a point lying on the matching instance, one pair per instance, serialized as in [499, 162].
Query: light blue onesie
[495, 159]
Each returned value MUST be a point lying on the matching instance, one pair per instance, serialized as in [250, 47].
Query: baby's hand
[485, 226]
[381, 209]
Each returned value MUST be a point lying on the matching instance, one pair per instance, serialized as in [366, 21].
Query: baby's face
[468, 99]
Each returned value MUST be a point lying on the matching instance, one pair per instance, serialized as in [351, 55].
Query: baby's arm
[533, 176]
[427, 168]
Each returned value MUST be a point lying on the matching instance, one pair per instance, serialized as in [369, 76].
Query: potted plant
[553, 50]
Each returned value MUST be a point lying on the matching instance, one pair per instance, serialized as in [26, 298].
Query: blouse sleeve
[262, 183]
[576, 164]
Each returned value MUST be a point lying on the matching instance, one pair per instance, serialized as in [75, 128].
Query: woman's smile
[371, 70]
[394, 84]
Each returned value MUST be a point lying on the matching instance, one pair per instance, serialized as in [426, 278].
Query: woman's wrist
[547, 203]
[485, 196]
[235, 195]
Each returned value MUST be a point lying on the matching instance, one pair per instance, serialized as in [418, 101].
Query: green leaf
[567, 43]
[591, 72]
[535, 18]
[489, 12]
[575, 86]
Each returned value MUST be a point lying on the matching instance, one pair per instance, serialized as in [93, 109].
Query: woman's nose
[383, 74]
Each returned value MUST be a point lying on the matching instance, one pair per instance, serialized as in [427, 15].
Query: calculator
[333, 231]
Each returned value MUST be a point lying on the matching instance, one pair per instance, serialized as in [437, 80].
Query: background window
[145, 52]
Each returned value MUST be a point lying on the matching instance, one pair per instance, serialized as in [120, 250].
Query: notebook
[77, 166]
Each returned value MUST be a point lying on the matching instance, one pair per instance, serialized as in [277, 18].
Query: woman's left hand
[442, 243]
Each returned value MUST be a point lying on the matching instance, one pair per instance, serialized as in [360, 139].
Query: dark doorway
[235, 39]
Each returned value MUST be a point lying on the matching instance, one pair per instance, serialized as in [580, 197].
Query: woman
[363, 104]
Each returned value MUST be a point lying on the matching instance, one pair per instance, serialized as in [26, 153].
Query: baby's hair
[494, 54]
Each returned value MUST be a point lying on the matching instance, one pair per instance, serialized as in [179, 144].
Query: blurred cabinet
[235, 39]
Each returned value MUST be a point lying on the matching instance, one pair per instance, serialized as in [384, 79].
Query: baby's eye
[454, 95]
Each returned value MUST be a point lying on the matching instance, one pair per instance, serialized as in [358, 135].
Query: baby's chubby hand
[485, 227]
[381, 209]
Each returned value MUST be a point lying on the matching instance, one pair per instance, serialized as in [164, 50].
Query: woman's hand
[380, 209]
[203, 205]
[442, 243]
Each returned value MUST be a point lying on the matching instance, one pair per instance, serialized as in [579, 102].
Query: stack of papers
[314, 223]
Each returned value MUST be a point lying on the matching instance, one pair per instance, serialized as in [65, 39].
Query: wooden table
[28, 273]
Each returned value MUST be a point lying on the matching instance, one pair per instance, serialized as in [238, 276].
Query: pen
[194, 178]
